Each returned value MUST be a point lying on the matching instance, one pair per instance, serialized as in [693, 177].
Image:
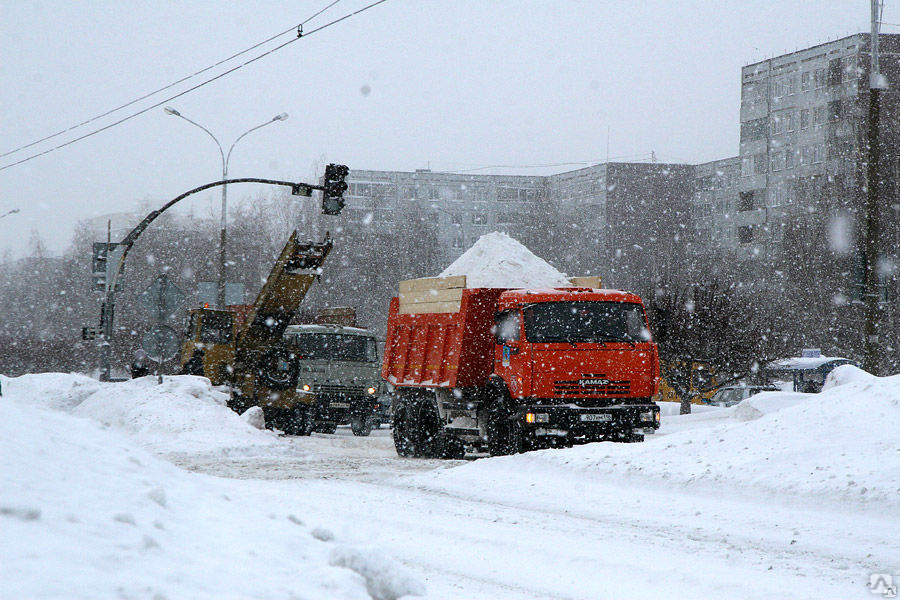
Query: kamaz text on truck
[519, 369]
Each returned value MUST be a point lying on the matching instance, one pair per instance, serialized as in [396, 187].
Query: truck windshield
[585, 322]
[336, 346]
[216, 328]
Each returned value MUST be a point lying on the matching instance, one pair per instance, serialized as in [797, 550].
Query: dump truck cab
[579, 361]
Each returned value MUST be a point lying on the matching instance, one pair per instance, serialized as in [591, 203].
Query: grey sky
[452, 85]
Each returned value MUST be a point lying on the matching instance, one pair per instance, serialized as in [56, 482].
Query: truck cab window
[507, 326]
[550, 322]
[216, 328]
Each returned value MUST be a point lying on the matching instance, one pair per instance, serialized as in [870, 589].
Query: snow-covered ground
[138, 490]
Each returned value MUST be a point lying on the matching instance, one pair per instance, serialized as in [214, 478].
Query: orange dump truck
[514, 369]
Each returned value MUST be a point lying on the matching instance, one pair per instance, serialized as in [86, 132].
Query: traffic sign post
[161, 299]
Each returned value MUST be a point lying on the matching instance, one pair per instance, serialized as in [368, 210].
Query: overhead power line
[166, 87]
[300, 35]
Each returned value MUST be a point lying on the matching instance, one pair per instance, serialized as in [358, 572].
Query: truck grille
[591, 384]
[343, 390]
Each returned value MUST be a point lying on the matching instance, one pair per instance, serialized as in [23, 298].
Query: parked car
[734, 394]
[807, 372]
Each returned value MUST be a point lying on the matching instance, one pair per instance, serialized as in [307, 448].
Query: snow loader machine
[241, 346]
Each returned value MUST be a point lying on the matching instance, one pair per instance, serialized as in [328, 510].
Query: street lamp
[11, 212]
[226, 158]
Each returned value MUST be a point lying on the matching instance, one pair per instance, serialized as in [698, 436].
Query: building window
[834, 111]
[458, 240]
[745, 234]
[804, 82]
[777, 161]
[746, 201]
[806, 155]
[791, 121]
[834, 71]
[778, 124]
[819, 115]
[760, 165]
[789, 158]
[746, 166]
[819, 78]
[819, 153]
[479, 218]
[804, 119]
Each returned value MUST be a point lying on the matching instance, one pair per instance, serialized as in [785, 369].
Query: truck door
[511, 361]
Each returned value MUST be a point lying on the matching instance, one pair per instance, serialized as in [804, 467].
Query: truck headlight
[647, 416]
[537, 417]
[305, 387]
[371, 391]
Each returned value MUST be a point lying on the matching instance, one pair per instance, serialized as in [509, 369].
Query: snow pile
[86, 512]
[838, 446]
[497, 260]
[184, 414]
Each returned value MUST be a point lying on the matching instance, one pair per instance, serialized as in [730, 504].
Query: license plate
[597, 418]
[339, 405]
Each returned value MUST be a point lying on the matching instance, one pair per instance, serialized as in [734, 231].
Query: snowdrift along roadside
[839, 446]
[88, 513]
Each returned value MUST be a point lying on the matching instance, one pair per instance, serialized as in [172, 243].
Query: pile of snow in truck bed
[87, 512]
[497, 260]
[839, 446]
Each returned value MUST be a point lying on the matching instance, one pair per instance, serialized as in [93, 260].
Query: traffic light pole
[107, 313]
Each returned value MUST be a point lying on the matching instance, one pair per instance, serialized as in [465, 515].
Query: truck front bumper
[571, 421]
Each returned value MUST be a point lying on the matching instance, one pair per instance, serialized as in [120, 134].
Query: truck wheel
[429, 434]
[298, 421]
[403, 440]
[504, 433]
[361, 426]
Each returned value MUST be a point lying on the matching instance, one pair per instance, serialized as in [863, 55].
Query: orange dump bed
[442, 349]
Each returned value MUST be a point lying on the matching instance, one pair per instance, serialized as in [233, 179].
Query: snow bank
[838, 446]
[87, 509]
[184, 414]
[497, 260]
[87, 514]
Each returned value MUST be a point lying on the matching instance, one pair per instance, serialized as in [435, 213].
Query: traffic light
[335, 186]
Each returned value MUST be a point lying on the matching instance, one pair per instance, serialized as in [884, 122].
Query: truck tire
[505, 434]
[298, 421]
[361, 426]
[403, 439]
[430, 440]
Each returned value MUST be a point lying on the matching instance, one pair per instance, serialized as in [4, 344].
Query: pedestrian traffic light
[334, 188]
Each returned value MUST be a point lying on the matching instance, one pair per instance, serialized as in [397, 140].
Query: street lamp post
[9, 212]
[226, 158]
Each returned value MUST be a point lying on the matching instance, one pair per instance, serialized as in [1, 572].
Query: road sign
[162, 298]
[160, 343]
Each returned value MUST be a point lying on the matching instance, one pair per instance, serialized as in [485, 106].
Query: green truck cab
[339, 365]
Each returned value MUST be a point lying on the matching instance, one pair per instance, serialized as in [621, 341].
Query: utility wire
[171, 85]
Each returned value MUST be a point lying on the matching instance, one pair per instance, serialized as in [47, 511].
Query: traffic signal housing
[334, 188]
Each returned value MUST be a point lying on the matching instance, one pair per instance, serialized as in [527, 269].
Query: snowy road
[507, 537]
